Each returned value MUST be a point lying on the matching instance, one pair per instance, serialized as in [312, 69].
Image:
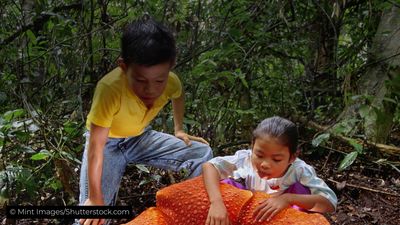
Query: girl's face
[270, 158]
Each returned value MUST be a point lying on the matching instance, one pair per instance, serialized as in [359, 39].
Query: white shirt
[240, 166]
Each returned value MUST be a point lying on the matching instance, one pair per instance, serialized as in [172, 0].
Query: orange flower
[187, 203]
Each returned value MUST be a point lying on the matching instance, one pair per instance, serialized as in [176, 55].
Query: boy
[125, 101]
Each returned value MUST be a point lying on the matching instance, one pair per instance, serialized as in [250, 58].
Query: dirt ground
[368, 192]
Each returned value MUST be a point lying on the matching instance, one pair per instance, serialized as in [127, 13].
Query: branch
[39, 21]
[365, 188]
[393, 150]
[395, 4]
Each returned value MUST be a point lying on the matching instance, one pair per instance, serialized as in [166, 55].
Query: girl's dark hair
[147, 42]
[282, 129]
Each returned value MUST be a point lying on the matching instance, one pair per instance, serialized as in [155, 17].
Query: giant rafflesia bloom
[186, 203]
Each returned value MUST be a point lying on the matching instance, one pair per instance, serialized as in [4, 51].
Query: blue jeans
[153, 148]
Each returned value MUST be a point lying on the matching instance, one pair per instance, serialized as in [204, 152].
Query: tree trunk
[321, 67]
[375, 112]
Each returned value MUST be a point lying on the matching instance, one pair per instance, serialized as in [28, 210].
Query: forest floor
[368, 192]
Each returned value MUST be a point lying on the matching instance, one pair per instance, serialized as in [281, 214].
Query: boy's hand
[186, 138]
[270, 207]
[217, 214]
[90, 221]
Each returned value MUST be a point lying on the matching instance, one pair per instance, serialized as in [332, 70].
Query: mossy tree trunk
[377, 90]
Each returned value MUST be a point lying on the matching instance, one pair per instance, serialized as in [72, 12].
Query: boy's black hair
[147, 42]
[282, 129]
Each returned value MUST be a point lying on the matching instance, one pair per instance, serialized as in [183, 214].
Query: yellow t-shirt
[116, 106]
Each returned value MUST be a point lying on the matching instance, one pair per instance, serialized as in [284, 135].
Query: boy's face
[147, 82]
[270, 158]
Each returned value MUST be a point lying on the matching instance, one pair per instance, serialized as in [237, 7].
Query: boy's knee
[206, 150]
[209, 153]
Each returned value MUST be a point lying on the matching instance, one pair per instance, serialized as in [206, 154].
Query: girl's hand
[270, 207]
[217, 214]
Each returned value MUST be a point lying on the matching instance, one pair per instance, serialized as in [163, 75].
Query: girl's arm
[315, 203]
[217, 214]
[272, 206]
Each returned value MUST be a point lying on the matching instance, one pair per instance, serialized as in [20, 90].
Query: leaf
[146, 181]
[39, 156]
[357, 146]
[21, 135]
[244, 82]
[25, 181]
[142, 168]
[50, 25]
[10, 115]
[25, 148]
[242, 77]
[70, 156]
[42, 155]
[348, 160]
[71, 128]
[156, 177]
[54, 183]
[19, 178]
[31, 36]
[320, 139]
[390, 100]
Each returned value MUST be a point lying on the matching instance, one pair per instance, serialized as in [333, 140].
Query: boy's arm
[217, 214]
[97, 140]
[178, 106]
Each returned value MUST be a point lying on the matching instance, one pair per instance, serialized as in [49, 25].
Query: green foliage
[240, 61]
[14, 114]
[345, 127]
[42, 155]
[142, 168]
[348, 160]
[320, 139]
[16, 179]
[28, 166]
[352, 156]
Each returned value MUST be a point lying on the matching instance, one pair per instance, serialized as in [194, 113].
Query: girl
[271, 166]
